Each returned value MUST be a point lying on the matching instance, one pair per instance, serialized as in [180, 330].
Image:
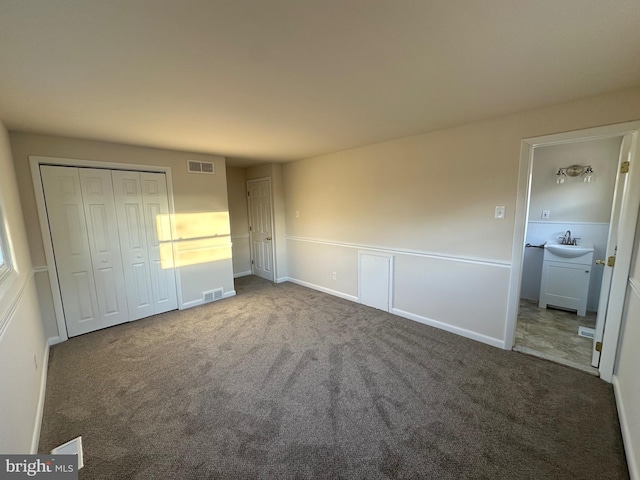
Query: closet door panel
[67, 224]
[156, 212]
[133, 244]
[104, 244]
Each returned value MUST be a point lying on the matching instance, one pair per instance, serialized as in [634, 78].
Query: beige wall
[191, 192]
[429, 197]
[575, 201]
[23, 344]
[237, 191]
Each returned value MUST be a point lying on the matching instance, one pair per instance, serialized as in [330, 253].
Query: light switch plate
[546, 215]
[500, 211]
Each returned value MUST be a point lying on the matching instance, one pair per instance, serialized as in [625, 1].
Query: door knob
[268, 238]
[599, 262]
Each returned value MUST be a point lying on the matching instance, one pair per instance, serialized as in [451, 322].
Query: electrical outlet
[335, 276]
[297, 213]
[546, 214]
[500, 212]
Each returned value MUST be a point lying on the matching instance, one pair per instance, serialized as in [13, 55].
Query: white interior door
[133, 243]
[156, 204]
[104, 245]
[612, 245]
[374, 279]
[260, 228]
[67, 224]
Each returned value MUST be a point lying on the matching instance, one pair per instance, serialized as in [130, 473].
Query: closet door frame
[35, 161]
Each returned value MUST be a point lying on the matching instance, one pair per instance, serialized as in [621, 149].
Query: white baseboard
[35, 439]
[242, 274]
[632, 455]
[494, 342]
[281, 279]
[230, 293]
[335, 293]
[54, 340]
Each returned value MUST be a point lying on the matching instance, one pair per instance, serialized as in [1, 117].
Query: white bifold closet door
[82, 221]
[141, 201]
[104, 229]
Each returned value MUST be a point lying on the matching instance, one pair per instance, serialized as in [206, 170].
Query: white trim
[313, 286]
[53, 340]
[634, 468]
[553, 222]
[42, 269]
[626, 233]
[230, 293]
[242, 274]
[391, 275]
[494, 342]
[274, 260]
[35, 439]
[282, 279]
[35, 161]
[6, 318]
[403, 251]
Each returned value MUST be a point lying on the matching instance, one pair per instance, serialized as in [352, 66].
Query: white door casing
[133, 242]
[155, 203]
[104, 244]
[261, 227]
[612, 245]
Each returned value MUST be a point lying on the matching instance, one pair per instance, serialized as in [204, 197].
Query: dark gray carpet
[286, 382]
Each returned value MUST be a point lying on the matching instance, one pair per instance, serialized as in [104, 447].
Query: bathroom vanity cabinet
[565, 281]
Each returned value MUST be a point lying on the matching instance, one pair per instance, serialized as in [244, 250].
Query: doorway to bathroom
[570, 204]
[576, 215]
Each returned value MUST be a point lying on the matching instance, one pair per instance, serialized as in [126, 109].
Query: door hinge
[598, 346]
[611, 261]
[624, 167]
[250, 228]
[248, 194]
[251, 262]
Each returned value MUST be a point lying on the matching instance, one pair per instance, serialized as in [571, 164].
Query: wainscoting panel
[464, 296]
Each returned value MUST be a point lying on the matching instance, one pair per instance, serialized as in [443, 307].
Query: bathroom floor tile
[554, 332]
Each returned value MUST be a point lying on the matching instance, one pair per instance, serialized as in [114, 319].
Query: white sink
[569, 251]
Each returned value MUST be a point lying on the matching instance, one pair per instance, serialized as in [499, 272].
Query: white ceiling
[287, 79]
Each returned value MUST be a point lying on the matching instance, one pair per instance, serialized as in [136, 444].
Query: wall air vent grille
[200, 167]
[212, 295]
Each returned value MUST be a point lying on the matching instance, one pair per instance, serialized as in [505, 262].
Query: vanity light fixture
[585, 172]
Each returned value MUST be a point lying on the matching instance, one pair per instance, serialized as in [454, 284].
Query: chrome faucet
[567, 240]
